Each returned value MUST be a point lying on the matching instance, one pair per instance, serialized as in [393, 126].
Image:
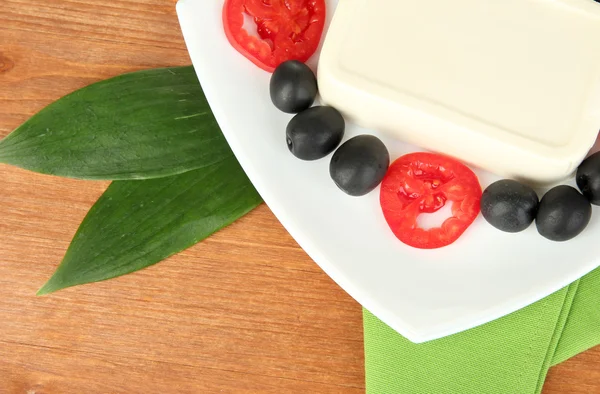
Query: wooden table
[228, 315]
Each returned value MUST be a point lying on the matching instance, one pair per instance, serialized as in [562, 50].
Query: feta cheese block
[510, 86]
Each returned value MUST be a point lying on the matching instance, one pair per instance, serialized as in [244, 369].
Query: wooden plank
[245, 311]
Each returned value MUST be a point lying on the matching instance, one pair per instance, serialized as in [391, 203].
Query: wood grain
[244, 311]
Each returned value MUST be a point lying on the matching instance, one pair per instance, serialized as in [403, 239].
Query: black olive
[509, 205]
[588, 178]
[293, 87]
[316, 132]
[563, 213]
[359, 165]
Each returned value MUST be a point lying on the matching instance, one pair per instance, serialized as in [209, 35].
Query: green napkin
[510, 355]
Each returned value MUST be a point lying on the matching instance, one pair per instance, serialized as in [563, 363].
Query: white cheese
[511, 86]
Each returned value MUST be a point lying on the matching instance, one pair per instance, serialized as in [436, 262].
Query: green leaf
[135, 224]
[140, 125]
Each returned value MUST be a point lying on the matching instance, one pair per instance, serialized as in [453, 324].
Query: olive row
[358, 165]
[561, 214]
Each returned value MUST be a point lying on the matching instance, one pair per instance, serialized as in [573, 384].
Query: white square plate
[422, 294]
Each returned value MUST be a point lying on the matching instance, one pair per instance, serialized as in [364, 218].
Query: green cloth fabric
[510, 355]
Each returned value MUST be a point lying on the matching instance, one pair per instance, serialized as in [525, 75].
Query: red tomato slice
[423, 183]
[288, 29]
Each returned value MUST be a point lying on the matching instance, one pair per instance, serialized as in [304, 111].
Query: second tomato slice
[420, 183]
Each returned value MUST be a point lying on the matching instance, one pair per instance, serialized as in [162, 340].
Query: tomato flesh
[420, 183]
[287, 29]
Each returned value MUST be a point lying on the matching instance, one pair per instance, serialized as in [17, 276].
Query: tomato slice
[423, 183]
[288, 29]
